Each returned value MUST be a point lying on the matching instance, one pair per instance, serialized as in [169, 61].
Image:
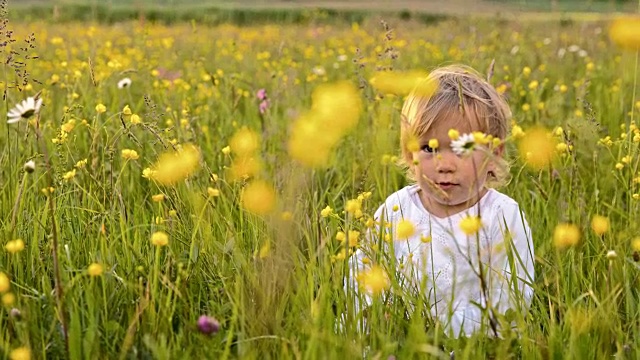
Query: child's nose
[446, 162]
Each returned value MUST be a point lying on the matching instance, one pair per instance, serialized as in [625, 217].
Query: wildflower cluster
[8, 298]
[245, 145]
[403, 83]
[173, 166]
[335, 110]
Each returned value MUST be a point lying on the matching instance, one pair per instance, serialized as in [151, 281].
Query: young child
[468, 247]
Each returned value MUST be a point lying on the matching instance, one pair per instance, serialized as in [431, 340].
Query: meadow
[184, 191]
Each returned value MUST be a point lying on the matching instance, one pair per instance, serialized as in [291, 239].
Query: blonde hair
[461, 93]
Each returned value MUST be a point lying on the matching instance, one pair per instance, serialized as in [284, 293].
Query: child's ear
[498, 152]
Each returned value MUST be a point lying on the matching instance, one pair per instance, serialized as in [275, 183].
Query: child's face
[449, 183]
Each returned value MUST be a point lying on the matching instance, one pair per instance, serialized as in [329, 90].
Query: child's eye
[427, 149]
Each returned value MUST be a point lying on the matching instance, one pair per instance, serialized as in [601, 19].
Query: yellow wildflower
[537, 148]
[5, 283]
[8, 299]
[244, 168]
[481, 138]
[265, 250]
[326, 211]
[375, 280]
[337, 106]
[258, 197]
[606, 141]
[147, 173]
[245, 142]
[213, 192]
[68, 126]
[625, 32]
[353, 206]
[100, 108]
[353, 238]
[173, 167]
[159, 238]
[599, 224]
[404, 229]
[157, 197]
[561, 147]
[81, 164]
[286, 215]
[129, 154]
[470, 225]
[95, 269]
[412, 144]
[566, 235]
[126, 111]
[21, 353]
[335, 110]
[404, 83]
[69, 175]
[14, 246]
[135, 119]
[517, 132]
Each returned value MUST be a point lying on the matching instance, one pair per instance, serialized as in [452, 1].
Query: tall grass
[276, 282]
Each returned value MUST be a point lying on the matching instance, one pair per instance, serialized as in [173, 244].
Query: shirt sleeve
[507, 261]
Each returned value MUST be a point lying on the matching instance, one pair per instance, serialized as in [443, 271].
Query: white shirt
[451, 260]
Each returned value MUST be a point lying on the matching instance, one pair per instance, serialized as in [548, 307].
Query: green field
[86, 270]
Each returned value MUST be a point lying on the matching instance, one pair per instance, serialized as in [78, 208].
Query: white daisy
[319, 70]
[126, 82]
[24, 110]
[29, 166]
[463, 145]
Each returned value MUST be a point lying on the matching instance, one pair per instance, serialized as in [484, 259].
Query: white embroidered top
[451, 260]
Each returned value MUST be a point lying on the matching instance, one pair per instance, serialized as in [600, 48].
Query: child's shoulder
[497, 202]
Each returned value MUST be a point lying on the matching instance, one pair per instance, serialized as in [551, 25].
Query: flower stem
[59, 293]
[16, 206]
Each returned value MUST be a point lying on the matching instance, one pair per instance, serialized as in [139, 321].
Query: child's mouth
[446, 185]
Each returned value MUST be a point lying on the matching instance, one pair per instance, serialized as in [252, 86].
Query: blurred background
[247, 12]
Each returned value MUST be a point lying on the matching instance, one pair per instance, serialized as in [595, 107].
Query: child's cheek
[415, 158]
